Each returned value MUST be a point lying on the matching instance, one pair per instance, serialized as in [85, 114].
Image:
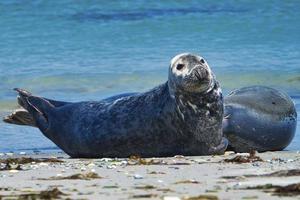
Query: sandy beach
[230, 176]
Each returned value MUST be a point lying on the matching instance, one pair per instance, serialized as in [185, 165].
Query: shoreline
[172, 178]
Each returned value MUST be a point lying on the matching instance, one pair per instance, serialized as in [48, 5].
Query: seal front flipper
[220, 149]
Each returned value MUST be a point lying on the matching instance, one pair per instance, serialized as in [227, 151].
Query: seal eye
[202, 60]
[180, 66]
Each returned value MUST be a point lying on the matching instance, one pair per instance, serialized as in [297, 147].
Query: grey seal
[259, 118]
[182, 116]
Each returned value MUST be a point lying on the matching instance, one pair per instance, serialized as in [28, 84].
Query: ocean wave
[132, 15]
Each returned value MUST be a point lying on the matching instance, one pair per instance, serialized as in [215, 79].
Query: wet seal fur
[259, 118]
[182, 116]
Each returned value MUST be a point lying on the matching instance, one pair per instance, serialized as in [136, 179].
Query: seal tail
[36, 111]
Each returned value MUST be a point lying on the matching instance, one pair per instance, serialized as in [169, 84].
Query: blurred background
[87, 50]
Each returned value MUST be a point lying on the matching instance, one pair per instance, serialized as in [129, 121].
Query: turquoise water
[82, 50]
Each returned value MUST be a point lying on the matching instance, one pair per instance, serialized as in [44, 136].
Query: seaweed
[202, 197]
[245, 159]
[47, 194]
[141, 196]
[87, 176]
[156, 172]
[288, 190]
[187, 182]
[284, 173]
[15, 163]
[145, 187]
[281, 173]
[137, 160]
[25, 160]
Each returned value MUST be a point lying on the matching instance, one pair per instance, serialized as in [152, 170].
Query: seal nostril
[202, 60]
[180, 66]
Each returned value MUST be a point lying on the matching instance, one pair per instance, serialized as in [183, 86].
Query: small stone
[137, 176]
[124, 163]
[28, 190]
[110, 166]
[83, 169]
[91, 165]
[171, 198]
[43, 164]
[13, 171]
[227, 153]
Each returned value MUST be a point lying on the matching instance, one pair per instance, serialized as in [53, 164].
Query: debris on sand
[137, 160]
[145, 187]
[156, 172]
[202, 197]
[87, 176]
[289, 190]
[25, 160]
[281, 173]
[284, 173]
[245, 159]
[187, 182]
[47, 194]
[16, 163]
[143, 196]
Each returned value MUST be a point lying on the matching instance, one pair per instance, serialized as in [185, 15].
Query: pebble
[171, 198]
[179, 156]
[227, 153]
[43, 164]
[137, 176]
[13, 171]
[243, 154]
[91, 165]
[111, 167]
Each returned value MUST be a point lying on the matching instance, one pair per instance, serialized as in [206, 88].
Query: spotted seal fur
[182, 116]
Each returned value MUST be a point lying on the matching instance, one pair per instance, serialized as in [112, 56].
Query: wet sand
[174, 178]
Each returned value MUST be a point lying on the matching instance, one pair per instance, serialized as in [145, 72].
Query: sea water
[87, 50]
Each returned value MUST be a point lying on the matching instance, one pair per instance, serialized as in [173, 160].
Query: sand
[174, 178]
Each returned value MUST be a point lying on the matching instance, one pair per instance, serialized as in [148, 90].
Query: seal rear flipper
[41, 111]
[23, 94]
[20, 117]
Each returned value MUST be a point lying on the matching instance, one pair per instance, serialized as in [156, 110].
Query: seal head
[190, 73]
